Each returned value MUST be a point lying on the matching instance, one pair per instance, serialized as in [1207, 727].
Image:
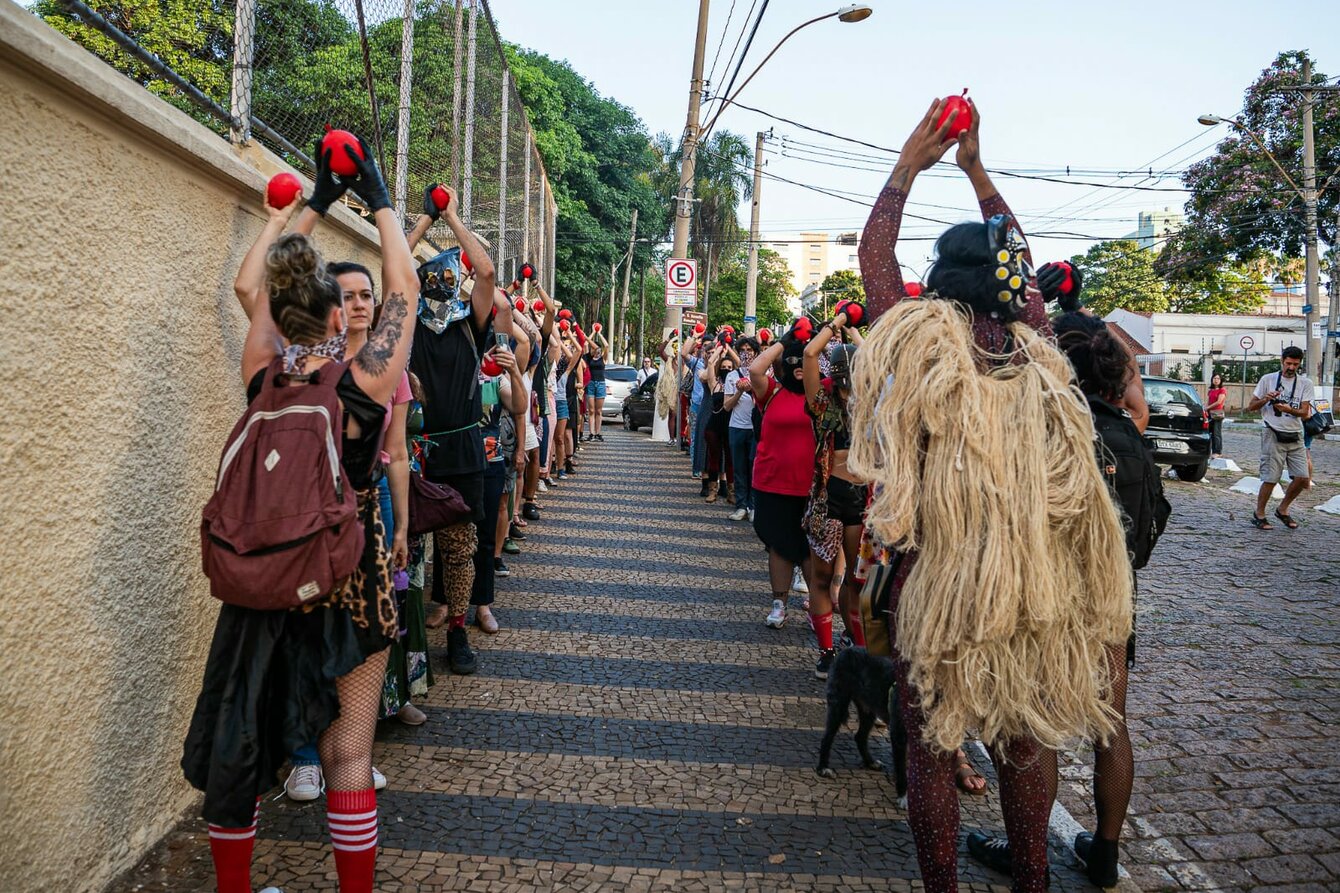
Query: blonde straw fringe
[1022, 578]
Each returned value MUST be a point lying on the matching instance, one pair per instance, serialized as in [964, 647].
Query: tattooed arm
[378, 366]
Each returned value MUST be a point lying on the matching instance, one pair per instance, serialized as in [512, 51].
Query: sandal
[1288, 520]
[964, 773]
[1261, 523]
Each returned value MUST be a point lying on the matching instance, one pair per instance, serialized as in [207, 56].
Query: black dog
[861, 678]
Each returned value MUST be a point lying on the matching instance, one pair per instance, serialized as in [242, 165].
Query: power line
[724, 31]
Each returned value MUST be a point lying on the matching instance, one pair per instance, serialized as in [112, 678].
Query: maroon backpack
[282, 529]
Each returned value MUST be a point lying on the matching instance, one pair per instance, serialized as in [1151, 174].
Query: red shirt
[785, 461]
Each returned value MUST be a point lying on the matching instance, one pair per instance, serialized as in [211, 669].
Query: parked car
[620, 381]
[1179, 427]
[640, 406]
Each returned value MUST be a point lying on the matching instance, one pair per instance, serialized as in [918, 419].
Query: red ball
[855, 313]
[563, 324]
[441, 198]
[520, 305]
[565, 313]
[764, 336]
[489, 366]
[538, 306]
[699, 328]
[964, 119]
[596, 327]
[912, 289]
[527, 271]
[340, 162]
[282, 190]
[1068, 284]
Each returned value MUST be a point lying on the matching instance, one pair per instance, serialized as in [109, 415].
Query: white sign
[1247, 342]
[1318, 331]
[681, 283]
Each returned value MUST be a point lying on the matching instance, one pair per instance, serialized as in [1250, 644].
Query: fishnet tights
[346, 744]
[1114, 765]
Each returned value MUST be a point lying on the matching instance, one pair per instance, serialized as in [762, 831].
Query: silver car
[620, 381]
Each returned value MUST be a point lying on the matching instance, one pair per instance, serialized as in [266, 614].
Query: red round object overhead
[527, 271]
[855, 313]
[441, 198]
[465, 263]
[956, 104]
[912, 289]
[563, 324]
[335, 141]
[538, 306]
[596, 327]
[699, 328]
[520, 305]
[282, 189]
[565, 313]
[764, 336]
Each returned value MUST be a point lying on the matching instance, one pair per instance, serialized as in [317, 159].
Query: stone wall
[123, 225]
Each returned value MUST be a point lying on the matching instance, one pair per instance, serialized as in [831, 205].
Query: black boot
[703, 494]
[459, 655]
[1100, 856]
[993, 852]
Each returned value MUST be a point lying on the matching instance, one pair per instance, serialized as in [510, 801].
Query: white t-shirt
[742, 416]
[1295, 391]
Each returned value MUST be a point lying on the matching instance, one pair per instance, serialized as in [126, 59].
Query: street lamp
[1308, 193]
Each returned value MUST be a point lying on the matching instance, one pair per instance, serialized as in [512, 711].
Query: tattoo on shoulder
[375, 357]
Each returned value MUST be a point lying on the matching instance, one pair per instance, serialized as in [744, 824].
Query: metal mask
[1012, 270]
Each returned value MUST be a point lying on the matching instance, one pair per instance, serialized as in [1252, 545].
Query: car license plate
[1172, 446]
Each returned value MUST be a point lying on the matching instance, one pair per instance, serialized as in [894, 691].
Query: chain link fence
[425, 83]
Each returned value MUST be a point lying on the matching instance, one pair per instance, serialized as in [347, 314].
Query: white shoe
[739, 514]
[778, 614]
[272, 890]
[751, 516]
[378, 780]
[543, 487]
[798, 582]
[304, 783]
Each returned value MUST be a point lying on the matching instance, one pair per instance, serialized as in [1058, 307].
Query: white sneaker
[304, 783]
[543, 487]
[751, 516]
[778, 615]
[798, 582]
[739, 514]
[272, 890]
[378, 780]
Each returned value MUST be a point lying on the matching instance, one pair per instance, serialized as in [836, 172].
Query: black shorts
[777, 521]
[471, 488]
[846, 501]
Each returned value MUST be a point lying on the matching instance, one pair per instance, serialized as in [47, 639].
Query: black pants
[494, 479]
[1216, 436]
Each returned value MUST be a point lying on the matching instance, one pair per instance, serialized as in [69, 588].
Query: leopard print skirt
[368, 595]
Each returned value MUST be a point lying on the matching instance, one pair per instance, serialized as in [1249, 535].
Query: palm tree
[723, 178]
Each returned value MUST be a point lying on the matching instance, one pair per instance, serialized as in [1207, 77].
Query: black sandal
[1288, 520]
[1261, 523]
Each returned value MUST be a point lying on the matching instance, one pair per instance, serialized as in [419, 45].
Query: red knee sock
[857, 631]
[456, 622]
[231, 849]
[823, 630]
[353, 833]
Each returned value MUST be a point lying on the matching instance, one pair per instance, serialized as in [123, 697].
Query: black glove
[367, 182]
[327, 189]
[430, 206]
[1052, 281]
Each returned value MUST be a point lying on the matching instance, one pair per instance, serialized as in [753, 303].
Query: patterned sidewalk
[634, 726]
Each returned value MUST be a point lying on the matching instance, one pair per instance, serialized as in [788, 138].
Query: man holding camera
[1285, 399]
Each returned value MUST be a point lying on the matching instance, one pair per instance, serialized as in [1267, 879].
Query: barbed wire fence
[425, 82]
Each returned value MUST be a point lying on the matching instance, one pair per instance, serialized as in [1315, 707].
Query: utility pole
[751, 283]
[684, 197]
[642, 313]
[614, 283]
[1329, 345]
[627, 277]
[1313, 270]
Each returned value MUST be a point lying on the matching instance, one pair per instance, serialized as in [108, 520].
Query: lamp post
[1308, 193]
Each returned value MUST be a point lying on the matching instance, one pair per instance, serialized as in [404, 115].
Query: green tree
[843, 285]
[1120, 274]
[728, 289]
[1231, 288]
[1240, 206]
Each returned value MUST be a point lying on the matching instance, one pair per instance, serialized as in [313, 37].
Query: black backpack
[1128, 467]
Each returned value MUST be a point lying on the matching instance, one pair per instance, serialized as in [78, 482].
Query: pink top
[402, 395]
[785, 461]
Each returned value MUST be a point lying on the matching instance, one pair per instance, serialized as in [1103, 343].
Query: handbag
[433, 506]
[1318, 423]
[875, 607]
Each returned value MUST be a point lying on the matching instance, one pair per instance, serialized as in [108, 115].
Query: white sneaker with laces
[739, 514]
[778, 615]
[304, 783]
[798, 582]
[543, 487]
[378, 780]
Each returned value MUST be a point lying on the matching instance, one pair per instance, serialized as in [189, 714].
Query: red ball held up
[963, 121]
[912, 289]
[335, 141]
[282, 189]
[538, 306]
[441, 198]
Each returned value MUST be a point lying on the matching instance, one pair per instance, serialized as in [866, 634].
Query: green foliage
[728, 289]
[842, 285]
[1120, 274]
[1240, 205]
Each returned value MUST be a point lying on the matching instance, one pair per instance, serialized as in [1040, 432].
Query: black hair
[964, 268]
[750, 342]
[339, 268]
[1292, 352]
[1101, 362]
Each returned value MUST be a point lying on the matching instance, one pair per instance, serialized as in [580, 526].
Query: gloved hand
[1060, 282]
[327, 189]
[430, 206]
[367, 182]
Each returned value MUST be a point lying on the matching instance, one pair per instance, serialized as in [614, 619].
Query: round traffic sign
[1247, 342]
[680, 274]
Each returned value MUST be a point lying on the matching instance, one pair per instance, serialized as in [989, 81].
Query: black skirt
[269, 686]
[777, 521]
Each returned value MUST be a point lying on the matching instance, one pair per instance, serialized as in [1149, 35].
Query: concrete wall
[123, 224]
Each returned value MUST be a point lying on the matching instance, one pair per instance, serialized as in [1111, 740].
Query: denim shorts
[595, 389]
[561, 410]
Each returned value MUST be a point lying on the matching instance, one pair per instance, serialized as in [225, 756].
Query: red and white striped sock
[231, 849]
[353, 832]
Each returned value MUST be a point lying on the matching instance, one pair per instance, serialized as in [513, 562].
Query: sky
[1108, 89]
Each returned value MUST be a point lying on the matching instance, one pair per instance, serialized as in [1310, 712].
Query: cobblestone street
[634, 727]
